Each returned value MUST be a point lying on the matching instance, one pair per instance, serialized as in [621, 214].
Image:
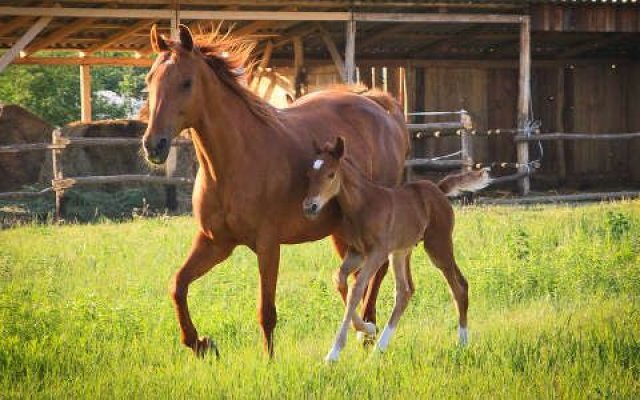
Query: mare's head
[325, 177]
[181, 83]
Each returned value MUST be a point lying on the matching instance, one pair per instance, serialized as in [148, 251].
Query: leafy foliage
[53, 92]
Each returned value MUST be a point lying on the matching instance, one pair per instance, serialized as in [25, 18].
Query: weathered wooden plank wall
[590, 99]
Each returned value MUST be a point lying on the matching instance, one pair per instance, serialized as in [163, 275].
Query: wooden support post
[350, 52]
[409, 106]
[334, 53]
[56, 158]
[85, 93]
[171, 165]
[524, 99]
[14, 52]
[466, 142]
[560, 107]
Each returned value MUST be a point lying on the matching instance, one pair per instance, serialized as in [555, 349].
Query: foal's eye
[186, 84]
[332, 175]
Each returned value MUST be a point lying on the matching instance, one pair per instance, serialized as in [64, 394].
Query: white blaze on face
[317, 164]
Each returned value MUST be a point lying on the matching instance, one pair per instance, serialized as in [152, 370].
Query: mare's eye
[332, 175]
[186, 84]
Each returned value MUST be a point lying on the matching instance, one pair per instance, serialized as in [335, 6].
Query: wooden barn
[517, 67]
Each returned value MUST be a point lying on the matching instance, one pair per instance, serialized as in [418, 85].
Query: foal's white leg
[404, 291]
[349, 265]
[369, 267]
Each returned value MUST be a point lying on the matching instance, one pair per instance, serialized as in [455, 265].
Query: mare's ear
[158, 44]
[339, 148]
[186, 38]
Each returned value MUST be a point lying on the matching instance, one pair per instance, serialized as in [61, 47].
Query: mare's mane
[229, 58]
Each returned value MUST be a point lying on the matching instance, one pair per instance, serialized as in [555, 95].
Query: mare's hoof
[206, 345]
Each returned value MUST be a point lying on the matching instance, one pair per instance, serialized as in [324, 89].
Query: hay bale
[17, 126]
[100, 160]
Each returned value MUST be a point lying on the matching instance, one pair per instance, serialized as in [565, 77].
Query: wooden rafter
[429, 46]
[14, 24]
[31, 33]
[146, 24]
[60, 34]
[380, 34]
[333, 52]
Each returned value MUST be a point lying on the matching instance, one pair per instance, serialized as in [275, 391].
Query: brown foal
[381, 223]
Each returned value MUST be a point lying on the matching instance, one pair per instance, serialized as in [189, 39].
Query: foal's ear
[186, 38]
[158, 44]
[339, 148]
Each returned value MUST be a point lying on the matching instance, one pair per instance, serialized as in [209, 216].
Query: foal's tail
[454, 184]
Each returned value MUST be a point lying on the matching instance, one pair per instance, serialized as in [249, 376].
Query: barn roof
[606, 27]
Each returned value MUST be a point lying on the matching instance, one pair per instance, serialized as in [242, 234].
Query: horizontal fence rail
[577, 136]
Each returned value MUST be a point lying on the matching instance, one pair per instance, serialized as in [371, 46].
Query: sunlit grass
[84, 312]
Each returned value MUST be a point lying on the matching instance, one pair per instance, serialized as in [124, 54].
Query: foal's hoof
[463, 336]
[206, 345]
[367, 338]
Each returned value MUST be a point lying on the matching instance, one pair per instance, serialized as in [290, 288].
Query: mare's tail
[454, 184]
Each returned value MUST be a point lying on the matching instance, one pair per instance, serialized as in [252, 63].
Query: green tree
[53, 92]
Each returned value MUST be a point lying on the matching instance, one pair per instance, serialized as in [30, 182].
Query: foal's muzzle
[311, 208]
[156, 148]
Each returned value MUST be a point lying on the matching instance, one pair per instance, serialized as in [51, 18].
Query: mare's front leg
[205, 254]
[268, 263]
[369, 267]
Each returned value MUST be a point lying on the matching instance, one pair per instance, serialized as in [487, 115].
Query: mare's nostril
[314, 207]
[162, 144]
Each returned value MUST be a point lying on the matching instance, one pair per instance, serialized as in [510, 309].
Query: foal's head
[325, 177]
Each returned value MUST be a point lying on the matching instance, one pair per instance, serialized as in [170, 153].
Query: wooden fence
[462, 127]
[61, 183]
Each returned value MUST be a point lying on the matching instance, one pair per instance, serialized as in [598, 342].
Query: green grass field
[555, 312]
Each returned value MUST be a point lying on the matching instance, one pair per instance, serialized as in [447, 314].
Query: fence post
[56, 158]
[524, 100]
[466, 141]
[171, 191]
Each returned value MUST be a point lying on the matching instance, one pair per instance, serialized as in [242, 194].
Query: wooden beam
[121, 61]
[524, 99]
[118, 37]
[138, 13]
[333, 52]
[60, 34]
[14, 51]
[350, 52]
[14, 24]
[85, 93]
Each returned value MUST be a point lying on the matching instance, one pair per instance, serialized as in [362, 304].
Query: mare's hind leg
[440, 250]
[205, 254]
[404, 292]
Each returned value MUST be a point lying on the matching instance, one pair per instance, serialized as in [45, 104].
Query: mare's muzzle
[156, 148]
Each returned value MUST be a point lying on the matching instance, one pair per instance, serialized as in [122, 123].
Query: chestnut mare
[381, 223]
[253, 160]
